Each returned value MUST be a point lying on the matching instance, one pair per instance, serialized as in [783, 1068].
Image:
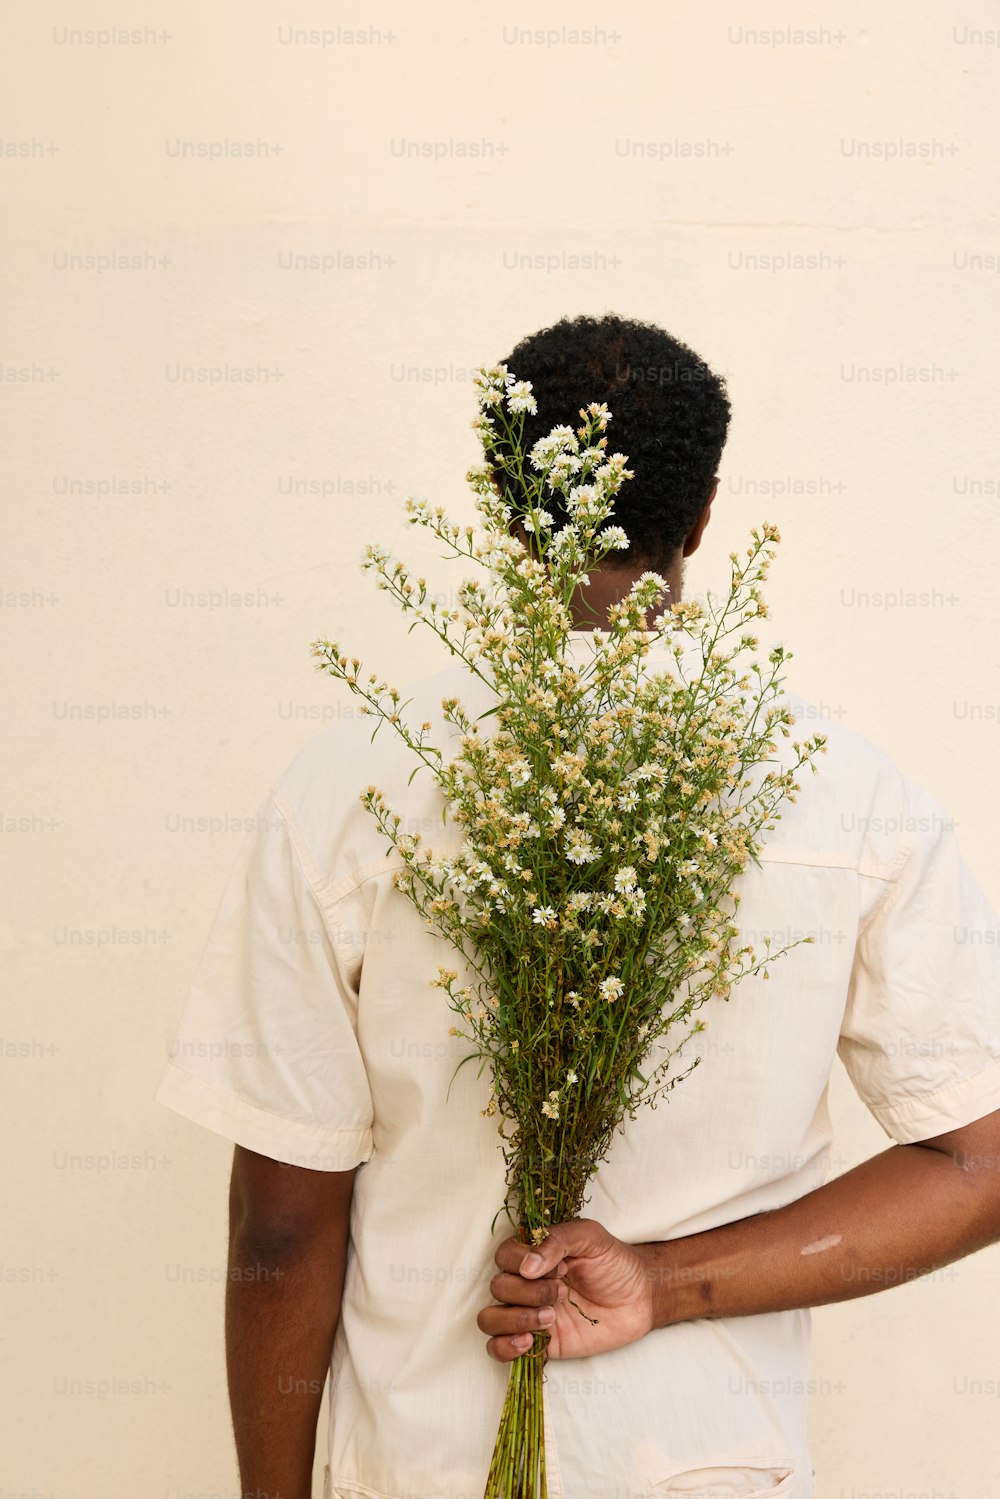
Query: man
[367, 1173]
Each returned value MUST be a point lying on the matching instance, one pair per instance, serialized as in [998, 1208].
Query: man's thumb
[578, 1237]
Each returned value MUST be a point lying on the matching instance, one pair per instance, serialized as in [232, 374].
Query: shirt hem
[286, 1140]
[910, 1120]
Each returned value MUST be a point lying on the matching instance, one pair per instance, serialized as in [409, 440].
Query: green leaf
[471, 1057]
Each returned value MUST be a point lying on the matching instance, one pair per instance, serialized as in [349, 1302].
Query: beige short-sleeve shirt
[312, 1034]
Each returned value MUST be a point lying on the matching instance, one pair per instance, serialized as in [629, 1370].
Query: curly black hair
[669, 415]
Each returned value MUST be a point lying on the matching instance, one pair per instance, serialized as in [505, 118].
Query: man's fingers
[517, 1291]
[577, 1237]
[512, 1254]
[508, 1321]
[506, 1350]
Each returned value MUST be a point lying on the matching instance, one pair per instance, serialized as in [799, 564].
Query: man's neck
[590, 604]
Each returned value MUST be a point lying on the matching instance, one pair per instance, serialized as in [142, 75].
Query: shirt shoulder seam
[906, 852]
[777, 856]
[327, 895]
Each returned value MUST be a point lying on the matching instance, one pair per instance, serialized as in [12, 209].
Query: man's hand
[587, 1289]
[897, 1216]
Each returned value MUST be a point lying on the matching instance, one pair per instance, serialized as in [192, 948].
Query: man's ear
[693, 539]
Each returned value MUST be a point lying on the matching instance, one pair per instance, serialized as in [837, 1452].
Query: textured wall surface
[252, 256]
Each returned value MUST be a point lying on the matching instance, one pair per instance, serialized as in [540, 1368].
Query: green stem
[517, 1469]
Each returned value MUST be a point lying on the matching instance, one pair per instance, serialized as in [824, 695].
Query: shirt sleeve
[266, 1052]
[920, 1037]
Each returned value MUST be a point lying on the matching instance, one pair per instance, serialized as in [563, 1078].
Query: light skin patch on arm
[818, 1245]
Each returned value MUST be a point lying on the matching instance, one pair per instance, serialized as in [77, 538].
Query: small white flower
[519, 397]
[581, 850]
[611, 988]
[571, 1077]
[549, 446]
[581, 496]
[542, 915]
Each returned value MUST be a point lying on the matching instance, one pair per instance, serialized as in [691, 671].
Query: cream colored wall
[113, 1270]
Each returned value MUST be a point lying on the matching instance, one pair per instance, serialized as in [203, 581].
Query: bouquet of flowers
[606, 819]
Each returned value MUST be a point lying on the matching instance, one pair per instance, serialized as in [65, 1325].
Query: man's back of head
[669, 415]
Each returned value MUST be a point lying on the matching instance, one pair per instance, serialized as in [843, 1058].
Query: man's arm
[899, 1215]
[905, 1212]
[288, 1234]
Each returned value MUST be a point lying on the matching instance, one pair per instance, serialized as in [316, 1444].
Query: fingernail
[523, 1340]
[546, 1315]
[531, 1262]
